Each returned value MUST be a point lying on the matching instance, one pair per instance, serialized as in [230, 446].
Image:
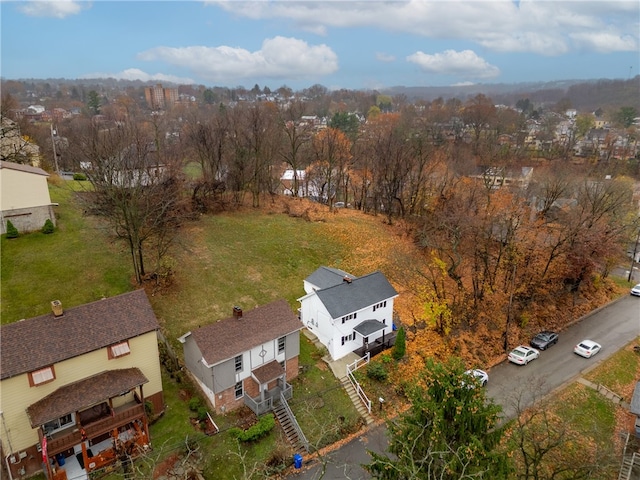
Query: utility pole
[633, 257]
[55, 153]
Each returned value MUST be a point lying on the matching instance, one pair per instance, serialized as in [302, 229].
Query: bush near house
[12, 231]
[48, 228]
[257, 431]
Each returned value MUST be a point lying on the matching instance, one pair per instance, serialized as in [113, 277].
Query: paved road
[613, 327]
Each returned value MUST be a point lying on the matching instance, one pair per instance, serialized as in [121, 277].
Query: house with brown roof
[76, 386]
[246, 359]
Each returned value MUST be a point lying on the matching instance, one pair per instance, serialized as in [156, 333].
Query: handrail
[294, 422]
[354, 382]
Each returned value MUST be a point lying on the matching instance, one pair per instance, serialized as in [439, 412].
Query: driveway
[613, 326]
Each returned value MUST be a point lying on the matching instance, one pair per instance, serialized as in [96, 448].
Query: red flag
[44, 450]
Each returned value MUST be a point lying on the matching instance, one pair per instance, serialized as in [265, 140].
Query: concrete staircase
[362, 410]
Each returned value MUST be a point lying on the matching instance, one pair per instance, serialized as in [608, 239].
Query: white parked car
[480, 375]
[522, 355]
[587, 348]
[636, 290]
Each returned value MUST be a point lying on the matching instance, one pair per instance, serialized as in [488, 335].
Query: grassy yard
[78, 263]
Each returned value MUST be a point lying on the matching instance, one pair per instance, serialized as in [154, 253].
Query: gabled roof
[35, 343]
[325, 277]
[635, 401]
[22, 168]
[347, 297]
[84, 393]
[231, 336]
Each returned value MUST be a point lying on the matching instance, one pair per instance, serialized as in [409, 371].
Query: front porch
[377, 346]
[271, 381]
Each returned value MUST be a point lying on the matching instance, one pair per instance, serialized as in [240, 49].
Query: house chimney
[237, 312]
[56, 307]
[346, 279]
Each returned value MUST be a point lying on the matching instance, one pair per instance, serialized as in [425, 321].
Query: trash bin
[60, 459]
[297, 460]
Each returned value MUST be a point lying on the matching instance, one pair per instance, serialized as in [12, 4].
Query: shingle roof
[231, 336]
[635, 400]
[325, 277]
[368, 327]
[23, 168]
[83, 394]
[31, 344]
[348, 297]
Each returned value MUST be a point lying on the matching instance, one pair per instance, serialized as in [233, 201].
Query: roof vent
[237, 312]
[56, 307]
[346, 279]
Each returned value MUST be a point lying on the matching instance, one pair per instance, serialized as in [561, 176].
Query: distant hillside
[581, 94]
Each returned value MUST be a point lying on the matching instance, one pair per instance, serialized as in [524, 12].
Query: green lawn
[78, 263]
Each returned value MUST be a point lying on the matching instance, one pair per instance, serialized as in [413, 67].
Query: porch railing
[352, 367]
[272, 397]
[58, 444]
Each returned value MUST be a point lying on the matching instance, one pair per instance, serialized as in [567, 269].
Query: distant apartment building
[159, 98]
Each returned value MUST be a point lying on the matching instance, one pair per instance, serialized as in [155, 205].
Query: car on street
[480, 375]
[587, 348]
[544, 340]
[521, 355]
[636, 290]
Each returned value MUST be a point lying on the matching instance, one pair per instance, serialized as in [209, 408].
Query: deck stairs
[290, 427]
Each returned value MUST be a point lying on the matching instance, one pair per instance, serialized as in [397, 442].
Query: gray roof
[231, 336]
[368, 327]
[325, 277]
[348, 297]
[23, 168]
[28, 345]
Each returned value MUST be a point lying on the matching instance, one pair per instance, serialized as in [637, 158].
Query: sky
[337, 44]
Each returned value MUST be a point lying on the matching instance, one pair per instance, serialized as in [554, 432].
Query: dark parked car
[544, 340]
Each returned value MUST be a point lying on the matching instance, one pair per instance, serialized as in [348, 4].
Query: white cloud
[279, 57]
[538, 26]
[604, 42]
[52, 8]
[462, 64]
[385, 57]
[136, 74]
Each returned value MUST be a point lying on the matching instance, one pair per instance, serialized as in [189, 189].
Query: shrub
[400, 347]
[48, 226]
[12, 232]
[257, 431]
[148, 408]
[377, 371]
[194, 404]
[79, 176]
[202, 414]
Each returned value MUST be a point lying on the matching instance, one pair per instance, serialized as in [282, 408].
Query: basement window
[42, 376]
[119, 350]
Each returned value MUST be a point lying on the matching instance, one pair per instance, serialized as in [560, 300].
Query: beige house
[76, 386]
[24, 197]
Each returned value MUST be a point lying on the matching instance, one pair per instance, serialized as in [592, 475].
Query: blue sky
[338, 44]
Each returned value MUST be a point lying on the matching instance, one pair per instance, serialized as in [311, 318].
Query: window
[379, 305]
[349, 338]
[349, 317]
[281, 344]
[44, 375]
[119, 350]
[239, 391]
[238, 361]
[61, 423]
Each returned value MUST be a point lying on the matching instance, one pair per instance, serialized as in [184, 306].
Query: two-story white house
[246, 359]
[345, 312]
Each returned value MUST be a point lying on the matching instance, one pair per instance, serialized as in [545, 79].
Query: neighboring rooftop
[356, 293]
[231, 336]
[28, 345]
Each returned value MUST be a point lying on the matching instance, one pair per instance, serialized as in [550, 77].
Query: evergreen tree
[400, 347]
[48, 226]
[12, 232]
[449, 433]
